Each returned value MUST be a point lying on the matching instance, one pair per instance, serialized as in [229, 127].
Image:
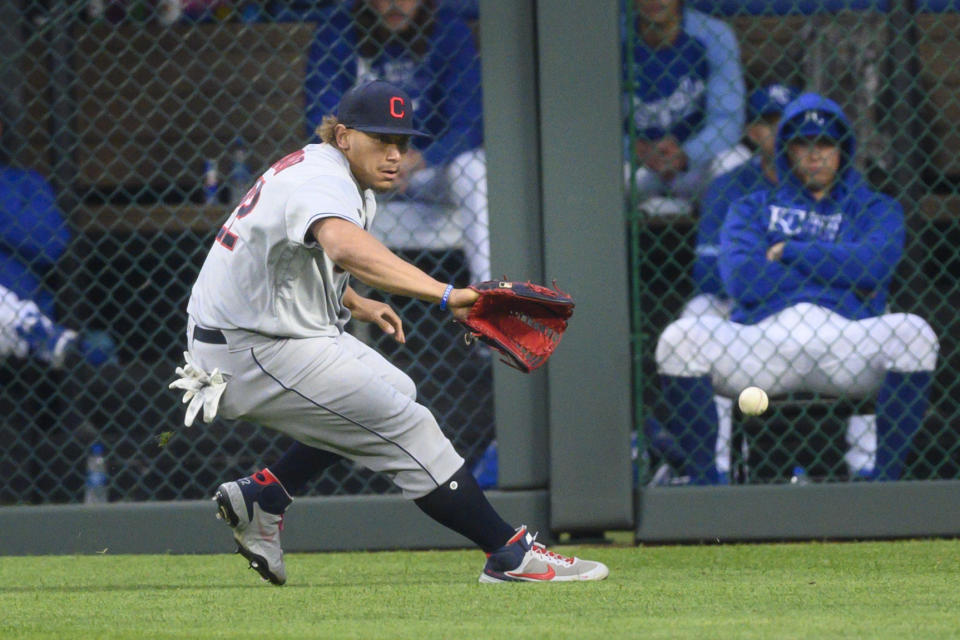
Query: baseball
[753, 401]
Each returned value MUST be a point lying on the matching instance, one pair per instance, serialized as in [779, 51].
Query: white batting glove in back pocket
[201, 389]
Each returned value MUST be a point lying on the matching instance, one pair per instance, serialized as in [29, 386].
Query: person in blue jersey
[808, 264]
[33, 236]
[687, 105]
[431, 54]
[764, 108]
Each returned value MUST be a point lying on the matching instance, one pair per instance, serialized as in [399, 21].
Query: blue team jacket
[723, 190]
[840, 252]
[444, 85]
[33, 234]
[693, 90]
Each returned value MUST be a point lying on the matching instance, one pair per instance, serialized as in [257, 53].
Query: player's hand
[649, 156]
[775, 253]
[460, 302]
[380, 314]
[664, 157]
[411, 162]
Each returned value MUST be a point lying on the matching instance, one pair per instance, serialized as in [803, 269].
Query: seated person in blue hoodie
[428, 52]
[764, 108]
[808, 264]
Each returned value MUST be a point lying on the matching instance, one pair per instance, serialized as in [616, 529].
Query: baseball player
[808, 264]
[688, 99]
[266, 343]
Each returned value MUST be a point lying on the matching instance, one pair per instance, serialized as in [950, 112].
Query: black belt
[210, 336]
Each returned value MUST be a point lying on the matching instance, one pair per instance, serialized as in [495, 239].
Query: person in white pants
[808, 265]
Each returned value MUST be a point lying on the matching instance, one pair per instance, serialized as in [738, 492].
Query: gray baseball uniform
[266, 342]
[267, 311]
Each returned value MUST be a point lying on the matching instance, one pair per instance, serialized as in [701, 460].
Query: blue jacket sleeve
[713, 210]
[747, 275]
[331, 66]
[862, 258]
[455, 66]
[38, 236]
[723, 127]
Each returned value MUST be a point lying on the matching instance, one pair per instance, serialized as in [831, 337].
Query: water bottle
[240, 176]
[96, 9]
[169, 11]
[96, 486]
[799, 476]
[211, 181]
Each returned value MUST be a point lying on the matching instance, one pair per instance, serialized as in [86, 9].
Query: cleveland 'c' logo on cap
[396, 107]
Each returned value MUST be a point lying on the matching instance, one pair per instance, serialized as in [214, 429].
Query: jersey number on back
[227, 238]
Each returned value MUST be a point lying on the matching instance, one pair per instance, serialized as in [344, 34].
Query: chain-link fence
[130, 130]
[768, 244]
[129, 127]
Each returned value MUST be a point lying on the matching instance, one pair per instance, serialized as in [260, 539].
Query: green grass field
[907, 589]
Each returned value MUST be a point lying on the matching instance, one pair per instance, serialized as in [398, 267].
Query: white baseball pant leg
[802, 348]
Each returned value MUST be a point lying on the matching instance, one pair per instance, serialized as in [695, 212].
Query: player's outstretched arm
[368, 260]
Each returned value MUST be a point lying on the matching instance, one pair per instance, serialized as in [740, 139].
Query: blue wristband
[446, 296]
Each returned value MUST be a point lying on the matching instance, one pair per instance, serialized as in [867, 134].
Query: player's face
[657, 11]
[374, 157]
[397, 15]
[815, 162]
[763, 134]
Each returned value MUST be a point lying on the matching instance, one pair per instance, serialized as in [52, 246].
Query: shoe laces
[551, 556]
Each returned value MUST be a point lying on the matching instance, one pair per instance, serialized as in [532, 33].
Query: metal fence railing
[130, 130]
[716, 311]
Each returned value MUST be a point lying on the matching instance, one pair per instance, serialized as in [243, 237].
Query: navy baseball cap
[378, 107]
[772, 99]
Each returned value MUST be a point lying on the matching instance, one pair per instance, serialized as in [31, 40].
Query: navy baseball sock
[901, 402]
[459, 504]
[662, 443]
[300, 463]
[273, 498]
[694, 424]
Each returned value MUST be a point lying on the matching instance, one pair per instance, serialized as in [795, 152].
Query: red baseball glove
[521, 320]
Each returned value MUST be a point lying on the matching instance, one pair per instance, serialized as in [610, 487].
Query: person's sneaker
[523, 559]
[253, 506]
